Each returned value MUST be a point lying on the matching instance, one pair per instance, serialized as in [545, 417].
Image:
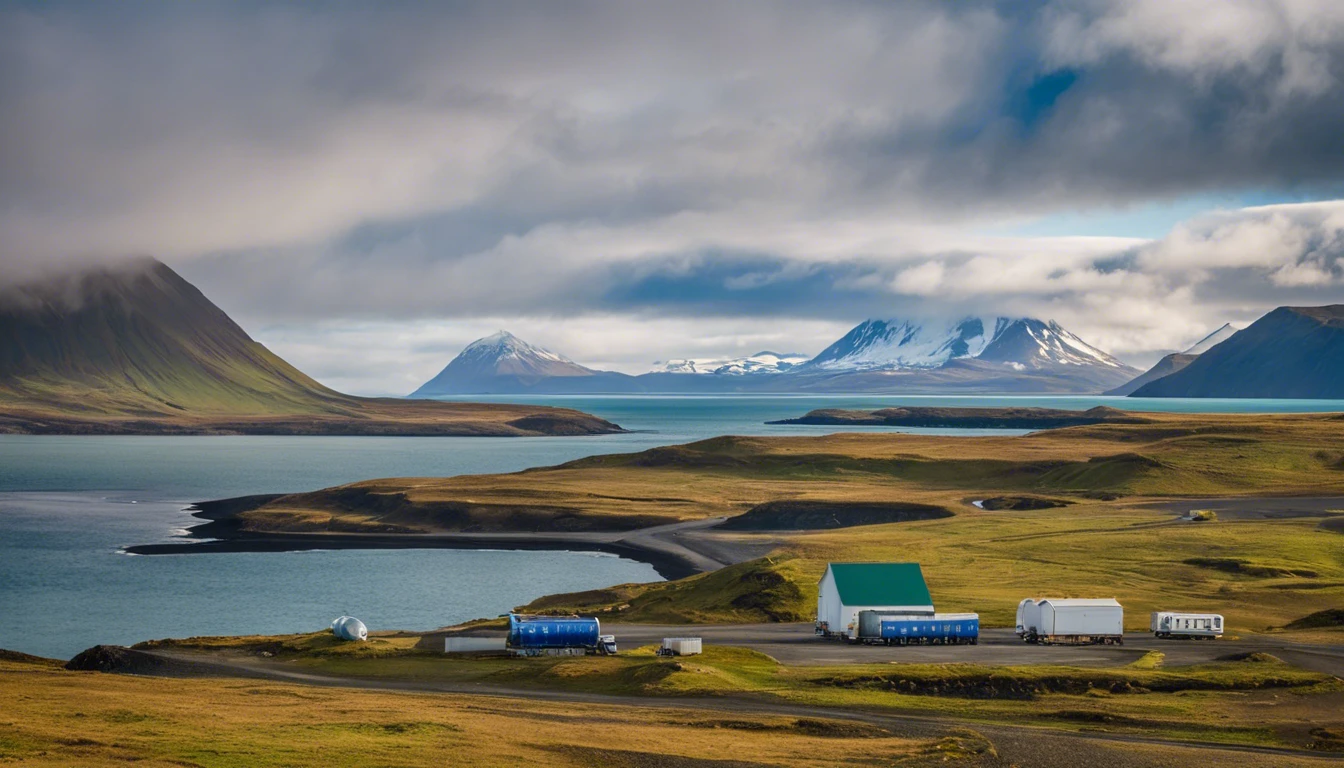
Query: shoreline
[669, 565]
[672, 555]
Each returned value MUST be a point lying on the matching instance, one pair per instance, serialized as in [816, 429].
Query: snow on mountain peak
[502, 344]
[898, 344]
[1035, 344]
[1019, 343]
[762, 362]
[1212, 340]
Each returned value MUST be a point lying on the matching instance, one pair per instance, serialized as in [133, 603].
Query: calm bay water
[69, 504]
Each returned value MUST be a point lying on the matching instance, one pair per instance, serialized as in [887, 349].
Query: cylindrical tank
[552, 632]
[349, 628]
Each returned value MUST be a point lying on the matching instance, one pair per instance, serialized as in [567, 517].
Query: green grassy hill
[138, 339]
[135, 348]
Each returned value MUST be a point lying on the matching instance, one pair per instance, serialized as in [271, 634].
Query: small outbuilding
[847, 588]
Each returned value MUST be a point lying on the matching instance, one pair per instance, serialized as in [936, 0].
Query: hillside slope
[1292, 352]
[1165, 367]
[135, 348]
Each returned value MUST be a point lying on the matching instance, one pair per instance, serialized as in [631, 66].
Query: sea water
[68, 505]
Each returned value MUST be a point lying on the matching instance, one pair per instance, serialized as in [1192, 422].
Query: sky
[368, 187]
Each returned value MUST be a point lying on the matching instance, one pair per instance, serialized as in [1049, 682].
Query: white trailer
[680, 646]
[1028, 617]
[1197, 625]
[473, 644]
[1073, 621]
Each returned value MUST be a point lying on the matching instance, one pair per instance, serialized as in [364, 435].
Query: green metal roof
[881, 584]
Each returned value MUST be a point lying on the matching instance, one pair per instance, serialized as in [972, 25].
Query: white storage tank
[1173, 624]
[349, 628]
[1079, 621]
[681, 646]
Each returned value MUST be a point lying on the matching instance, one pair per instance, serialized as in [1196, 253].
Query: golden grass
[1176, 454]
[974, 561]
[1229, 702]
[987, 562]
[54, 717]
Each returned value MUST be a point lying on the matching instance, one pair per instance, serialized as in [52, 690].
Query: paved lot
[795, 644]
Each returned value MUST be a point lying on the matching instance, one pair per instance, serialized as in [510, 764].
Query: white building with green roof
[847, 588]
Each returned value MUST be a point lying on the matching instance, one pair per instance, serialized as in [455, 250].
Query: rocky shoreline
[221, 533]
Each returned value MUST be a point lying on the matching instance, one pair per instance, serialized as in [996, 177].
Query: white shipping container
[1081, 618]
[473, 644]
[682, 646]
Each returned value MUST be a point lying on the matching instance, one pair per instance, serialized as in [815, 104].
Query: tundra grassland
[1104, 538]
[56, 717]
[1257, 700]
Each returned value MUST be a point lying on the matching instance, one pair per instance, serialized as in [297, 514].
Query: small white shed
[847, 588]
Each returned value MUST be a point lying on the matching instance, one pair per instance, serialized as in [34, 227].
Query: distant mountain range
[134, 348]
[1175, 361]
[970, 355]
[1292, 352]
[761, 362]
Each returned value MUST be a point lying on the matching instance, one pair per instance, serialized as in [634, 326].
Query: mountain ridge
[1016, 355]
[1175, 361]
[1290, 352]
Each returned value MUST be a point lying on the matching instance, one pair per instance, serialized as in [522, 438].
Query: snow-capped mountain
[1031, 343]
[761, 362]
[1018, 343]
[1212, 340]
[505, 354]
[971, 355]
[903, 344]
[501, 363]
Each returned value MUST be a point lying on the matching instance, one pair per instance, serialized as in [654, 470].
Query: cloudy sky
[367, 188]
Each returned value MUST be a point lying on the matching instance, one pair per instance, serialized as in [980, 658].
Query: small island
[967, 418]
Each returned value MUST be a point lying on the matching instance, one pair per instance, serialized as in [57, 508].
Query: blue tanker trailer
[557, 635]
[876, 627]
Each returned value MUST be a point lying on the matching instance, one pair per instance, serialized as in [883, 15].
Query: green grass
[768, 589]
[1259, 574]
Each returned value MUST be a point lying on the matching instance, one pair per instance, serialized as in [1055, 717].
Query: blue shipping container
[552, 632]
[938, 628]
